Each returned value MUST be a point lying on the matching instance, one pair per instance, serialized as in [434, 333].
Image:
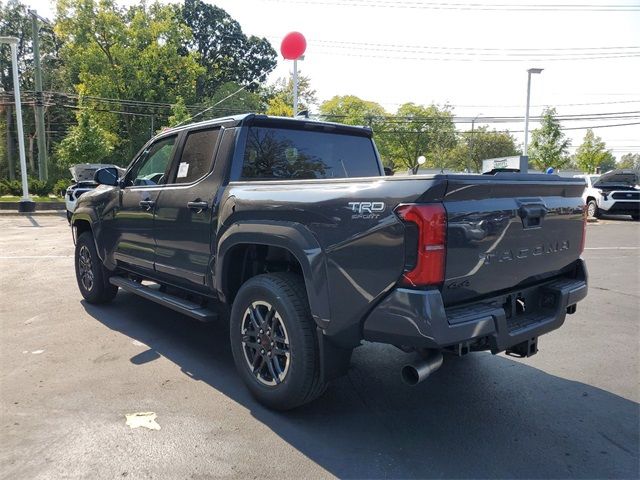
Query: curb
[48, 213]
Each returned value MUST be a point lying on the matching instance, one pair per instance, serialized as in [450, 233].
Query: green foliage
[179, 113]
[86, 142]
[225, 52]
[280, 96]
[629, 160]
[549, 146]
[60, 187]
[593, 154]
[10, 187]
[225, 101]
[38, 187]
[480, 145]
[135, 53]
[351, 110]
[420, 131]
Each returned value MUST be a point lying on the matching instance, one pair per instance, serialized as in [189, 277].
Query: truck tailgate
[509, 230]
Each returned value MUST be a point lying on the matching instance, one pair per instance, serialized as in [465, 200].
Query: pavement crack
[613, 442]
[615, 291]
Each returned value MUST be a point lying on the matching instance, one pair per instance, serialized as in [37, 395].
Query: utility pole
[39, 108]
[26, 204]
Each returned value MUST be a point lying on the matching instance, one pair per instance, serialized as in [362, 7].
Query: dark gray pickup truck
[289, 230]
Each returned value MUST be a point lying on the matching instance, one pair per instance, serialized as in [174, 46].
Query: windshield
[282, 153]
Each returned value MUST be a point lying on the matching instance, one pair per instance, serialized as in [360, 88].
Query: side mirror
[106, 176]
[388, 171]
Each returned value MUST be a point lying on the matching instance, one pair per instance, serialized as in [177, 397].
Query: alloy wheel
[265, 343]
[85, 268]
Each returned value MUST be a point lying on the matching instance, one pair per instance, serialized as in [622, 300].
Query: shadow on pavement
[478, 417]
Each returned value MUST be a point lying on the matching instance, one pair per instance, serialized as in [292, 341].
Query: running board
[178, 304]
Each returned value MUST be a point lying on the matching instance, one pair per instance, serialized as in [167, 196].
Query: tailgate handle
[532, 215]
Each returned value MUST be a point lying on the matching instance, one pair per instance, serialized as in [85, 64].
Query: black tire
[636, 217]
[69, 214]
[92, 277]
[592, 209]
[282, 298]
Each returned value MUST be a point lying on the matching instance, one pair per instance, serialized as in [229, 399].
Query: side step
[178, 304]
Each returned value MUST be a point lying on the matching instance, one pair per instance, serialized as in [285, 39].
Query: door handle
[198, 205]
[147, 204]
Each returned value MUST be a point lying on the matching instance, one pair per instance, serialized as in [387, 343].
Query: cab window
[197, 155]
[152, 165]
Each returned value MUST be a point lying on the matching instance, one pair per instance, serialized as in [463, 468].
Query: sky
[470, 54]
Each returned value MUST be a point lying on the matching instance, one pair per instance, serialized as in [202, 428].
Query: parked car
[289, 230]
[616, 192]
[83, 182]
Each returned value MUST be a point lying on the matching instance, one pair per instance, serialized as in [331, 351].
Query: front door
[133, 220]
[186, 210]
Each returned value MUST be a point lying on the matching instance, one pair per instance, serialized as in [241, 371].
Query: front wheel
[273, 340]
[92, 277]
[592, 209]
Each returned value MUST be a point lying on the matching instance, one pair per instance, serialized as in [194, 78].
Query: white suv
[614, 193]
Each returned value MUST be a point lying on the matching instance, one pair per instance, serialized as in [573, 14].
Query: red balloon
[293, 46]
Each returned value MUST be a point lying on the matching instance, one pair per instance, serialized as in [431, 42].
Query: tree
[593, 154]
[279, 96]
[86, 142]
[351, 110]
[225, 52]
[15, 21]
[126, 54]
[629, 160]
[420, 131]
[179, 113]
[229, 99]
[480, 145]
[549, 147]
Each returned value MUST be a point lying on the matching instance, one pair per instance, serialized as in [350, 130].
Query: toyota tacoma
[289, 231]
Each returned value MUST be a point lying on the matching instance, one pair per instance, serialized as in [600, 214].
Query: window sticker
[183, 169]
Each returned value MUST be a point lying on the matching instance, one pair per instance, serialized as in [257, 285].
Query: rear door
[509, 230]
[133, 219]
[186, 211]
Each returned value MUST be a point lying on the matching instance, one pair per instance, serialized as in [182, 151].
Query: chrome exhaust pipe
[416, 372]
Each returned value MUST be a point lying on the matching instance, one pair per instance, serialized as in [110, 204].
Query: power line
[592, 7]
[473, 57]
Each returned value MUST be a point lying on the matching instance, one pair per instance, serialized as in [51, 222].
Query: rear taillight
[431, 222]
[584, 228]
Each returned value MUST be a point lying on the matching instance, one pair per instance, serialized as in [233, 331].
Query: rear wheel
[592, 209]
[92, 277]
[273, 340]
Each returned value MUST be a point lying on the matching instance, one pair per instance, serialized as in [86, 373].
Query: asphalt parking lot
[70, 371]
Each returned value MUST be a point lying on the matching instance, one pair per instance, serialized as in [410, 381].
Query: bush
[60, 187]
[10, 187]
[39, 187]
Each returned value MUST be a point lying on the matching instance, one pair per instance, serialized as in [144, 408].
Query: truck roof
[248, 119]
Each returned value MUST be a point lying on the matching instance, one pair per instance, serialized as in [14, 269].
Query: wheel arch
[277, 238]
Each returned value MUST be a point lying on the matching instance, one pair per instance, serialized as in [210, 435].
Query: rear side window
[197, 155]
[280, 154]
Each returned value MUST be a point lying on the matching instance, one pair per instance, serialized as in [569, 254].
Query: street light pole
[526, 115]
[26, 204]
[470, 156]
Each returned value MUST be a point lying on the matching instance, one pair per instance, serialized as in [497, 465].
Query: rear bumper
[419, 319]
